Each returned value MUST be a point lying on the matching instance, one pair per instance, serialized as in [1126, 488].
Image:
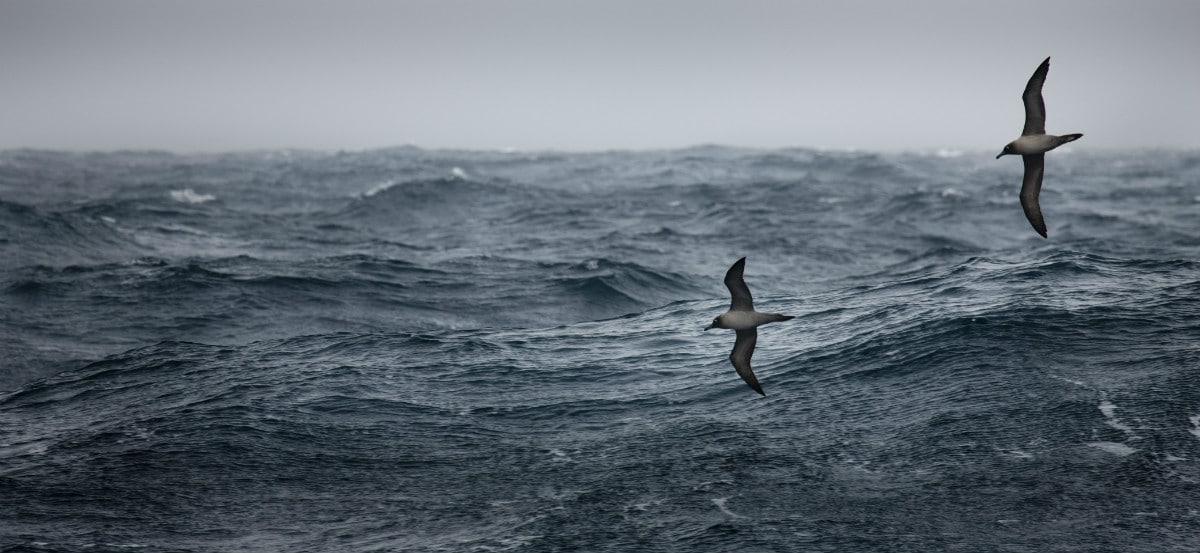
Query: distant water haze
[225, 75]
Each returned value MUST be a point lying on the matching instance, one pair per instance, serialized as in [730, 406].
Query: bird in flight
[745, 320]
[1032, 146]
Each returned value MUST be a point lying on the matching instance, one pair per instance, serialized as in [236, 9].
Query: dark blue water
[411, 350]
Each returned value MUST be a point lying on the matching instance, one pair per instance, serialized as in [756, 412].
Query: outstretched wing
[1031, 188]
[738, 289]
[743, 350]
[1035, 107]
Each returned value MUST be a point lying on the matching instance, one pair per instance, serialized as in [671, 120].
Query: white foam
[1079, 383]
[108, 219]
[720, 503]
[1120, 450]
[189, 196]
[952, 192]
[948, 153]
[1109, 410]
[379, 188]
[458, 173]
[1016, 453]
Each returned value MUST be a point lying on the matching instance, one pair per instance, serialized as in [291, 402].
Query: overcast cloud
[567, 75]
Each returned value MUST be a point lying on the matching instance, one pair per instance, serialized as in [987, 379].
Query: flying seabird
[745, 320]
[1033, 145]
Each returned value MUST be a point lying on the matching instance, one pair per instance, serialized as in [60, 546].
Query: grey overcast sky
[223, 75]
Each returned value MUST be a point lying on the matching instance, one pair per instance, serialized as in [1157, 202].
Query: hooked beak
[708, 327]
[998, 155]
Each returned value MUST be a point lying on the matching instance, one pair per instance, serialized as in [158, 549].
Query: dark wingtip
[759, 390]
[1040, 229]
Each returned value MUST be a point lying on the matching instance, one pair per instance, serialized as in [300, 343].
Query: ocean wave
[189, 196]
[32, 235]
[514, 356]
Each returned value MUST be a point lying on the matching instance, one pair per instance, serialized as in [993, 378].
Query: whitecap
[189, 196]
[458, 173]
[1195, 429]
[948, 153]
[379, 188]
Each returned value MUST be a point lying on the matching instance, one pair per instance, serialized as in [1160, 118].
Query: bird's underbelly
[742, 320]
[1035, 144]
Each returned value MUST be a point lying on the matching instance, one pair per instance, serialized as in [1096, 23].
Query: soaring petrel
[1033, 145]
[745, 320]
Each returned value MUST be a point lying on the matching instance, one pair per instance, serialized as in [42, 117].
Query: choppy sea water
[413, 350]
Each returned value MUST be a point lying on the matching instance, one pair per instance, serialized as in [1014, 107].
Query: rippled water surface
[412, 350]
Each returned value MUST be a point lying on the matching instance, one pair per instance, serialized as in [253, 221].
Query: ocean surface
[462, 351]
